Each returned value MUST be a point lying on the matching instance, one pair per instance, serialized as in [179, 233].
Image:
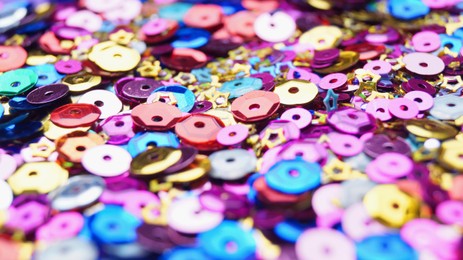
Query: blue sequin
[294, 176]
[384, 247]
[21, 104]
[190, 38]
[2, 111]
[47, 74]
[141, 141]
[203, 75]
[19, 130]
[239, 87]
[454, 44]
[331, 100]
[185, 97]
[175, 11]
[114, 225]
[289, 230]
[214, 242]
[407, 9]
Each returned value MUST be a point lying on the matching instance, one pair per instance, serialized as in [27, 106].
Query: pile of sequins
[253, 129]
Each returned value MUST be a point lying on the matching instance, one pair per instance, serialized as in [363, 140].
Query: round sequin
[106, 160]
